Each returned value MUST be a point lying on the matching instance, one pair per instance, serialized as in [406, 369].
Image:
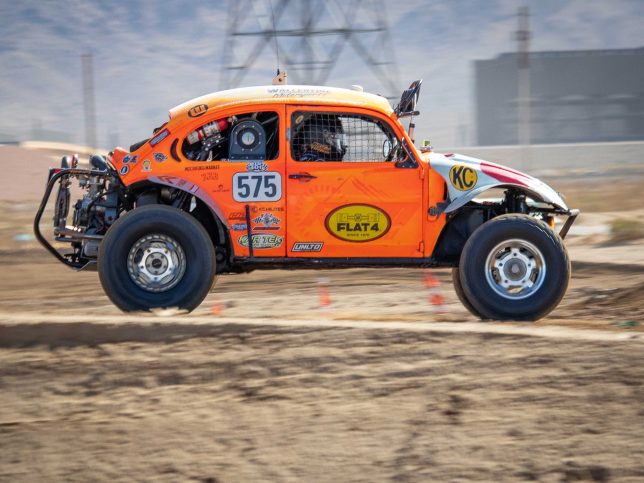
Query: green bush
[626, 229]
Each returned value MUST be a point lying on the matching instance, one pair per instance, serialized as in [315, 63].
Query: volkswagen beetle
[305, 177]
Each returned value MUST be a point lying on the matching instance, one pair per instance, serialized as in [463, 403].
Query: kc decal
[358, 223]
[463, 177]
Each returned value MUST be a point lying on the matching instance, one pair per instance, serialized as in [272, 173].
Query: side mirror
[386, 149]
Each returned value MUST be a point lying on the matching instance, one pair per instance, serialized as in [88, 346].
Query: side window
[325, 136]
[244, 137]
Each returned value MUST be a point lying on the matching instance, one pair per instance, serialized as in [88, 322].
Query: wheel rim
[156, 263]
[515, 269]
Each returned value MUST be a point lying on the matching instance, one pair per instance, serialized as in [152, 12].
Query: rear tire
[156, 256]
[458, 288]
[514, 267]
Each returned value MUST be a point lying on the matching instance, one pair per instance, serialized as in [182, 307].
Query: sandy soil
[207, 397]
[261, 383]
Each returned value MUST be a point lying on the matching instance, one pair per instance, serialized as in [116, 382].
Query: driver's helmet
[319, 138]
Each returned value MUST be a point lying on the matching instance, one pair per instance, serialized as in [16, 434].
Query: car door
[346, 194]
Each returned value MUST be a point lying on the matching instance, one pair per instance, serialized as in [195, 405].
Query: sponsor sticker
[125, 169]
[134, 159]
[262, 241]
[202, 167]
[220, 188]
[239, 226]
[462, 177]
[126, 159]
[297, 92]
[257, 166]
[209, 176]
[307, 246]
[159, 137]
[147, 166]
[159, 157]
[198, 110]
[357, 223]
[267, 221]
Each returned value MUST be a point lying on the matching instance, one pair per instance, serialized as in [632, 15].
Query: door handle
[302, 176]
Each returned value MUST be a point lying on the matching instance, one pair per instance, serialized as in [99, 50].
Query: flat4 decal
[257, 186]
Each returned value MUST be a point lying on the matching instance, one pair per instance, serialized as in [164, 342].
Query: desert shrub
[626, 229]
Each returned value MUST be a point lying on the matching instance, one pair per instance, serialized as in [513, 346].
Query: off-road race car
[304, 177]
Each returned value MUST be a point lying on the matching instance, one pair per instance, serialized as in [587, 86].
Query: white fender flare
[468, 177]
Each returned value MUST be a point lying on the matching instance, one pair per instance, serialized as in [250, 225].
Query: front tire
[156, 256]
[514, 267]
[458, 288]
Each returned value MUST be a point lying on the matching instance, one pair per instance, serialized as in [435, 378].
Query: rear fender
[468, 177]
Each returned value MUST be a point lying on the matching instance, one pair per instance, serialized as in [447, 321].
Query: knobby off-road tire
[156, 257]
[458, 288]
[514, 267]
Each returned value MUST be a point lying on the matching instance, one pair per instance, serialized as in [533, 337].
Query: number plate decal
[257, 186]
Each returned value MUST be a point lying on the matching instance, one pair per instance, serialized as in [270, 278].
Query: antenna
[277, 48]
[281, 77]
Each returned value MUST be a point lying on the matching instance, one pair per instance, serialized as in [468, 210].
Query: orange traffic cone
[434, 295]
[323, 293]
[217, 308]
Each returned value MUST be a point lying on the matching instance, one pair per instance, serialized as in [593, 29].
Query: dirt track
[208, 398]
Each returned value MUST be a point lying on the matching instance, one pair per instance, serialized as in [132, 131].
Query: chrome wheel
[515, 269]
[156, 263]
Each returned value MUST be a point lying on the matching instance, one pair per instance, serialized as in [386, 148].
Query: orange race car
[313, 177]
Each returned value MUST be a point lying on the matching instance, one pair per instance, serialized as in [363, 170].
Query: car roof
[289, 94]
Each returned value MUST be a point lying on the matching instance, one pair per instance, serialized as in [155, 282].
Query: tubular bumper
[63, 233]
[572, 216]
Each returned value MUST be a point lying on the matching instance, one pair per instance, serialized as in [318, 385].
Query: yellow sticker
[463, 177]
[358, 223]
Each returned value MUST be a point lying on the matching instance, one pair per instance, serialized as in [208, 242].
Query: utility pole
[89, 103]
[523, 97]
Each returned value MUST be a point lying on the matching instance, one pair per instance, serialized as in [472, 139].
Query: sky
[151, 56]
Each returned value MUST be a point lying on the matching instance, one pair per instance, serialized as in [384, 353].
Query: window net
[340, 137]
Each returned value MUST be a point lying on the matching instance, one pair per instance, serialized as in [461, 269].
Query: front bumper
[62, 232]
[572, 216]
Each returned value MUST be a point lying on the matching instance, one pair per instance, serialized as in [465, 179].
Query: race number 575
[262, 186]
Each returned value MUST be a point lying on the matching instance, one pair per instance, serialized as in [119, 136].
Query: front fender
[468, 177]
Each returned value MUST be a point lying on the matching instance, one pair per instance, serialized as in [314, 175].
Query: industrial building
[575, 96]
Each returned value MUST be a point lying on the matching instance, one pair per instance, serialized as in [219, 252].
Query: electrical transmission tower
[308, 37]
